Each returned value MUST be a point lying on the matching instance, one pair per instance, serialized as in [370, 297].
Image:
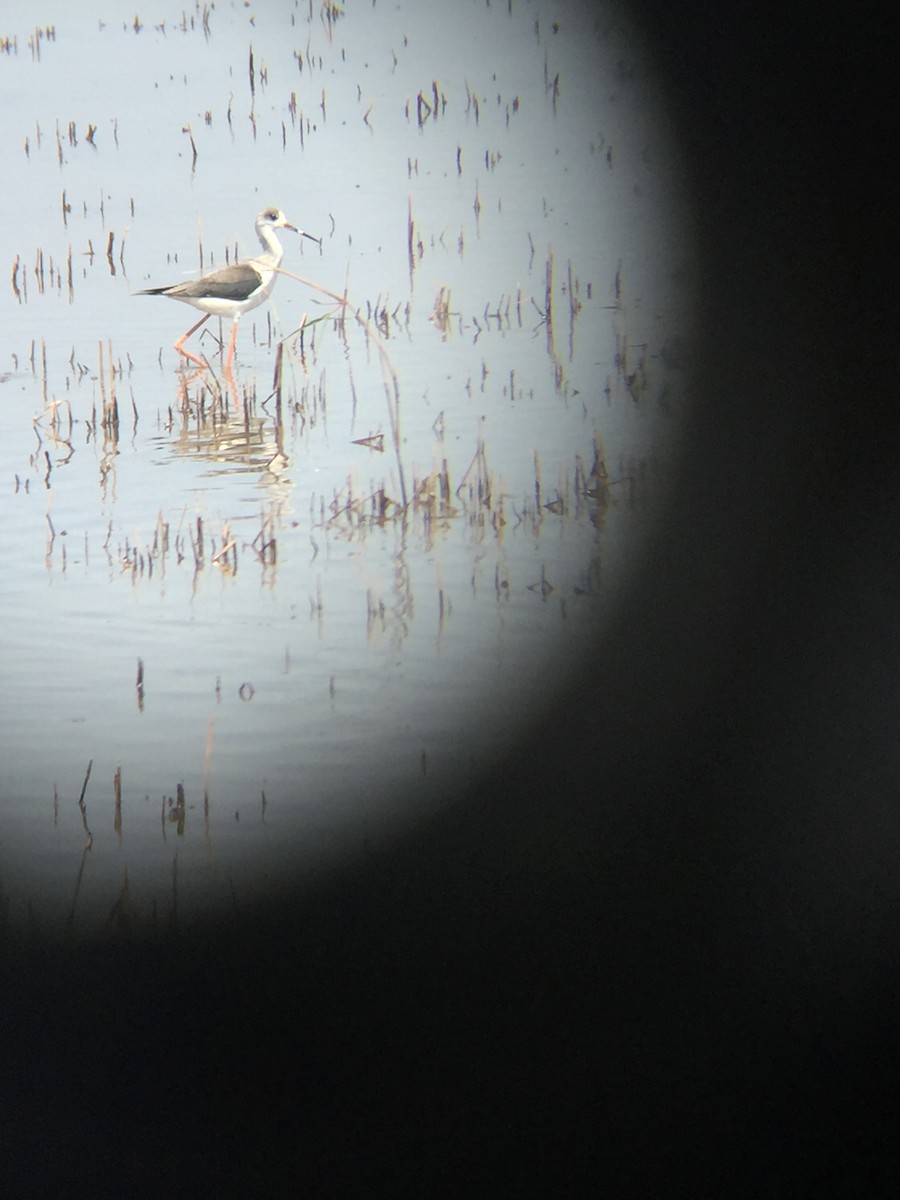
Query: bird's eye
[272, 215]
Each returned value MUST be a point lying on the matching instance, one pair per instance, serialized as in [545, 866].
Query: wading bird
[232, 291]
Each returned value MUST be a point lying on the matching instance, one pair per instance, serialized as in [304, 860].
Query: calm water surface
[247, 629]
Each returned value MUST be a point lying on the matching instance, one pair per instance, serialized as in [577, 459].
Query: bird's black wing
[229, 283]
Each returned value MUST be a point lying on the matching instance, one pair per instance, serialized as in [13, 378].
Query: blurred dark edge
[658, 948]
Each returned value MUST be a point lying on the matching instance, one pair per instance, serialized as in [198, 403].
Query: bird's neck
[274, 251]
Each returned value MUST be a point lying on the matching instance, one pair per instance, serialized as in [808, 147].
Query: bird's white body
[232, 291]
[216, 306]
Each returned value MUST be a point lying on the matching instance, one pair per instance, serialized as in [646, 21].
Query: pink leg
[179, 345]
[229, 357]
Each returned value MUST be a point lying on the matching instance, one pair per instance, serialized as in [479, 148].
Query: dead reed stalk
[390, 380]
[117, 798]
[83, 808]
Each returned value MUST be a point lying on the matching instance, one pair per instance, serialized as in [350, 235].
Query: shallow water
[275, 645]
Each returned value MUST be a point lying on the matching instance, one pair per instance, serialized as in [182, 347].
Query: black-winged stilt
[232, 291]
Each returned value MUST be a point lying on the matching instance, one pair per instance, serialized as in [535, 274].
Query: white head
[274, 218]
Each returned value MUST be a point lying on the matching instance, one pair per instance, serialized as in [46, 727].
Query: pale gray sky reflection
[279, 617]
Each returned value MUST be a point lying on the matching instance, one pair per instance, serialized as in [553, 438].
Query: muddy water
[251, 625]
